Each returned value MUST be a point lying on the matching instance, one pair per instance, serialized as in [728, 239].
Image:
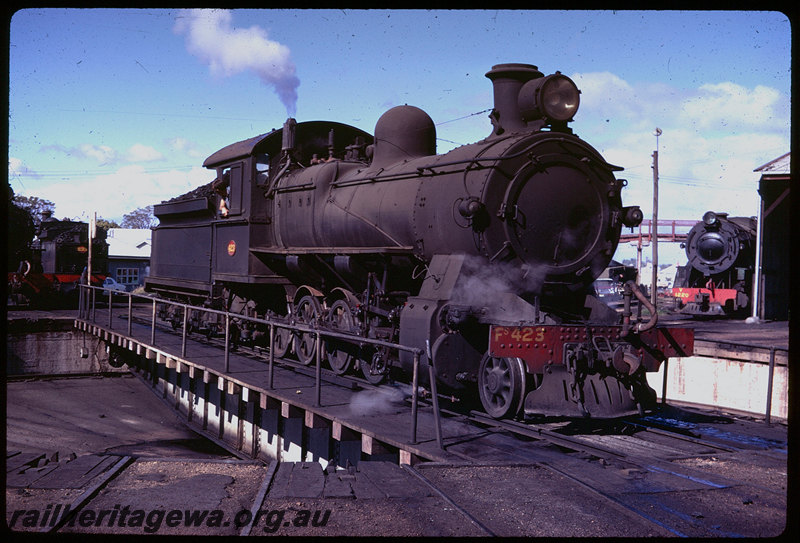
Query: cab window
[233, 176]
[262, 169]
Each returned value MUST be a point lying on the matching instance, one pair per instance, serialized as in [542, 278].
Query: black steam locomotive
[55, 260]
[718, 277]
[483, 256]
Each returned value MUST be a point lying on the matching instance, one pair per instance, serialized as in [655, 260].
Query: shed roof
[782, 164]
[129, 242]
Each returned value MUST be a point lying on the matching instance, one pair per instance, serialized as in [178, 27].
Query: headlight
[709, 218]
[553, 98]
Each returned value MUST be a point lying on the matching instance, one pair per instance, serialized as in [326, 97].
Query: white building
[129, 255]
[666, 276]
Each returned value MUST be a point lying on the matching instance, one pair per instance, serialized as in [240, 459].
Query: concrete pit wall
[250, 422]
[244, 420]
[727, 383]
[53, 347]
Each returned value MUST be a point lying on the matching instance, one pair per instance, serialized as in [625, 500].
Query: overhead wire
[459, 119]
[86, 174]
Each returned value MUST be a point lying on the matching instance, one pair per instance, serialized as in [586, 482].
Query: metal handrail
[88, 306]
[751, 346]
[770, 375]
[770, 379]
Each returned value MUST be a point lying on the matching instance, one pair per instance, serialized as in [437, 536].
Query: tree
[21, 230]
[34, 205]
[105, 224]
[140, 218]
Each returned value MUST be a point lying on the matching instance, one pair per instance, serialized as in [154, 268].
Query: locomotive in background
[717, 280]
[57, 257]
[483, 256]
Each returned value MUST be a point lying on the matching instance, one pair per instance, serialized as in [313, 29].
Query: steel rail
[449, 500]
[611, 498]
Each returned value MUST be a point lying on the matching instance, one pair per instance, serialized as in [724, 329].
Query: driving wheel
[305, 343]
[340, 357]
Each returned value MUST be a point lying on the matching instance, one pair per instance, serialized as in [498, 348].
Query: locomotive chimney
[508, 80]
[287, 143]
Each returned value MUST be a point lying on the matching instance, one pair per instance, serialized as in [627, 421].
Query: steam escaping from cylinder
[228, 51]
[480, 281]
[385, 400]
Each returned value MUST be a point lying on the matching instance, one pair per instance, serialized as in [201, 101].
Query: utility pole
[92, 223]
[756, 299]
[654, 229]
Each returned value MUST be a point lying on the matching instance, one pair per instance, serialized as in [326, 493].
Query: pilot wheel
[501, 385]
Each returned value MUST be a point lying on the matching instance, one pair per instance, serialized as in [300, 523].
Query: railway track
[659, 455]
[594, 454]
[636, 439]
[624, 437]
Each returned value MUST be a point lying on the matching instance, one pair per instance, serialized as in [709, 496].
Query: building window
[128, 276]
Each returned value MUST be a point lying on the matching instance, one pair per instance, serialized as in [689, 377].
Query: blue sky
[111, 110]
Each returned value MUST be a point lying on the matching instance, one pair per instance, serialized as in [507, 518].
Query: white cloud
[102, 154]
[712, 139]
[142, 153]
[121, 192]
[728, 106]
[17, 168]
[182, 145]
[606, 95]
[696, 174]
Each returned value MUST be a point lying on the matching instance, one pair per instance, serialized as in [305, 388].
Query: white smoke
[480, 281]
[384, 400]
[228, 51]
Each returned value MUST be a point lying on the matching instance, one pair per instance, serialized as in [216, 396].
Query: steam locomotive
[717, 279]
[52, 267]
[483, 256]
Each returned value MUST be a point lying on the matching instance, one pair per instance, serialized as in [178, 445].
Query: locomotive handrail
[295, 325]
[366, 221]
[87, 307]
[466, 161]
[294, 188]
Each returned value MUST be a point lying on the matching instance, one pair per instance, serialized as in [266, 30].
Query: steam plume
[379, 401]
[480, 281]
[228, 51]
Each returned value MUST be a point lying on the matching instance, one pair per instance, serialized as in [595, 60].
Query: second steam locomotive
[483, 257]
[718, 277]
